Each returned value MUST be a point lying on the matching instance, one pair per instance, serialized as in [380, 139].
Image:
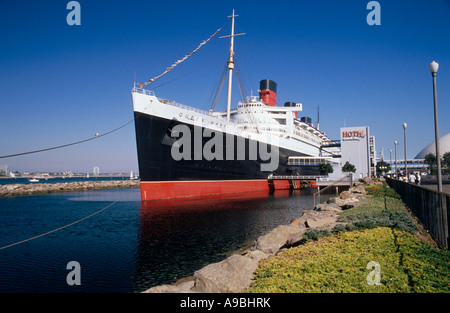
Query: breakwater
[15, 190]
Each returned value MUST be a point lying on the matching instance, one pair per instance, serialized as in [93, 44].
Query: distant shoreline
[18, 190]
[63, 176]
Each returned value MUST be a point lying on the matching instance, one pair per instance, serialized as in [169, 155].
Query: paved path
[445, 187]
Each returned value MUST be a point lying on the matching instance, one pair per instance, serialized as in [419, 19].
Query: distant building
[96, 171]
[4, 170]
[358, 148]
[414, 165]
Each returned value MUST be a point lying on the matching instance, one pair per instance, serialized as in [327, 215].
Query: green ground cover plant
[380, 231]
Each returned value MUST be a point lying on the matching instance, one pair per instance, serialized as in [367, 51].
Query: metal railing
[429, 206]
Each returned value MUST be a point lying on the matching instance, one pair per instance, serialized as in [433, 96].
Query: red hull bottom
[182, 189]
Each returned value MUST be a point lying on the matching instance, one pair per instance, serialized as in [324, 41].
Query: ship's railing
[170, 102]
[143, 91]
[179, 105]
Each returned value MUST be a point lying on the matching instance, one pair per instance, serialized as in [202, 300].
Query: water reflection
[179, 236]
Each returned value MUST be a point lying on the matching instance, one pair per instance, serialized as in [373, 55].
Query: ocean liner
[184, 151]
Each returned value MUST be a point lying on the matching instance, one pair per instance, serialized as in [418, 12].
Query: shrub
[340, 228]
[393, 219]
[315, 234]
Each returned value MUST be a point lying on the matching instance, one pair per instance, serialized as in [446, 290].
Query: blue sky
[61, 83]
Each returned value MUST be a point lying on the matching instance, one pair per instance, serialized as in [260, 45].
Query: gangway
[293, 182]
[331, 144]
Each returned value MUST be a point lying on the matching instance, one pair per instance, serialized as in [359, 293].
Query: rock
[340, 202]
[368, 181]
[185, 287]
[12, 187]
[273, 241]
[295, 239]
[256, 255]
[358, 190]
[347, 203]
[320, 222]
[231, 275]
[332, 199]
[345, 194]
[330, 207]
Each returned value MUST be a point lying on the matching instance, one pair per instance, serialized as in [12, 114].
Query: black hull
[154, 144]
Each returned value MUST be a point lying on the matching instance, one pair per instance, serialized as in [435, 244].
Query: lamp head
[405, 125]
[434, 66]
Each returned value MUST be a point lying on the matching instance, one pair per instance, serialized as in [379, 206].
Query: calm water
[132, 245]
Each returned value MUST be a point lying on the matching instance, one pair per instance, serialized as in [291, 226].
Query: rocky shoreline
[15, 190]
[235, 273]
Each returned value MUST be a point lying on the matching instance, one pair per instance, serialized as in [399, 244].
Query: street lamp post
[404, 134]
[390, 158]
[395, 145]
[434, 66]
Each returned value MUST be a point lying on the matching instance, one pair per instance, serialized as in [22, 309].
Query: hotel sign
[353, 135]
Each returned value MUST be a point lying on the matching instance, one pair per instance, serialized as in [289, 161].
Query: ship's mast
[231, 63]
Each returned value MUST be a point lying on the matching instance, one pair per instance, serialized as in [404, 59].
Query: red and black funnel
[268, 92]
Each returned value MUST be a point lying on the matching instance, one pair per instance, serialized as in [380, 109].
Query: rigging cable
[69, 144]
[219, 89]
[240, 83]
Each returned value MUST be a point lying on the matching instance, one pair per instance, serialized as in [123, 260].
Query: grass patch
[380, 230]
[338, 264]
[379, 198]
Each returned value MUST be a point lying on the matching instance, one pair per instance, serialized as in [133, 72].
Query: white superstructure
[252, 119]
